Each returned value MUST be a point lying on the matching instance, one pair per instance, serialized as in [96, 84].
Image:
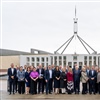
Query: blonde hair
[83, 68]
[70, 69]
[98, 69]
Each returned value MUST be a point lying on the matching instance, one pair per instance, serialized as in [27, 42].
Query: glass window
[32, 64]
[80, 64]
[94, 58]
[55, 58]
[33, 59]
[47, 59]
[42, 59]
[42, 64]
[60, 57]
[38, 59]
[69, 63]
[64, 63]
[37, 64]
[90, 57]
[60, 63]
[28, 59]
[64, 57]
[85, 62]
[55, 63]
[85, 57]
[74, 57]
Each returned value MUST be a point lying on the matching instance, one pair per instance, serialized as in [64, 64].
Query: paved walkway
[4, 95]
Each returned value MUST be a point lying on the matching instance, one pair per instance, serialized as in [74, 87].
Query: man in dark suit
[40, 70]
[77, 75]
[88, 82]
[92, 79]
[48, 79]
[16, 80]
[12, 77]
[73, 69]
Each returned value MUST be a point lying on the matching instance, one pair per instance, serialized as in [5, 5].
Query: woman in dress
[34, 76]
[70, 81]
[63, 80]
[27, 80]
[56, 79]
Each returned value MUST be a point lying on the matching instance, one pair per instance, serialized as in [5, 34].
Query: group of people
[57, 79]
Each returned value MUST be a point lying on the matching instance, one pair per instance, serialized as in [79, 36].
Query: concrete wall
[5, 61]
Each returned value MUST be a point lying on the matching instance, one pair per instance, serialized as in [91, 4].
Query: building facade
[60, 59]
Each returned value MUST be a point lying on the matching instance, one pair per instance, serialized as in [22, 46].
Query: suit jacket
[21, 75]
[92, 76]
[47, 75]
[87, 71]
[42, 72]
[12, 74]
[76, 75]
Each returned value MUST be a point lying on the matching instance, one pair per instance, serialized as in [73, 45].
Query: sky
[47, 25]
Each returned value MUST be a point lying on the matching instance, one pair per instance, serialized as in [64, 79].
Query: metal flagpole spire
[75, 23]
[75, 11]
[76, 36]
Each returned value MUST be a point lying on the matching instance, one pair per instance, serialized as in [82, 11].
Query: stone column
[57, 60]
[40, 62]
[35, 63]
[62, 61]
[92, 61]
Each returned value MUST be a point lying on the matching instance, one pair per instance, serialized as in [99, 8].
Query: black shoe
[13, 93]
[9, 93]
[94, 93]
[50, 93]
[83, 93]
[90, 93]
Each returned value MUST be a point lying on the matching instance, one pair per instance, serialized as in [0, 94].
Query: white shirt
[92, 72]
[25, 70]
[50, 72]
[39, 71]
[87, 70]
[12, 69]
